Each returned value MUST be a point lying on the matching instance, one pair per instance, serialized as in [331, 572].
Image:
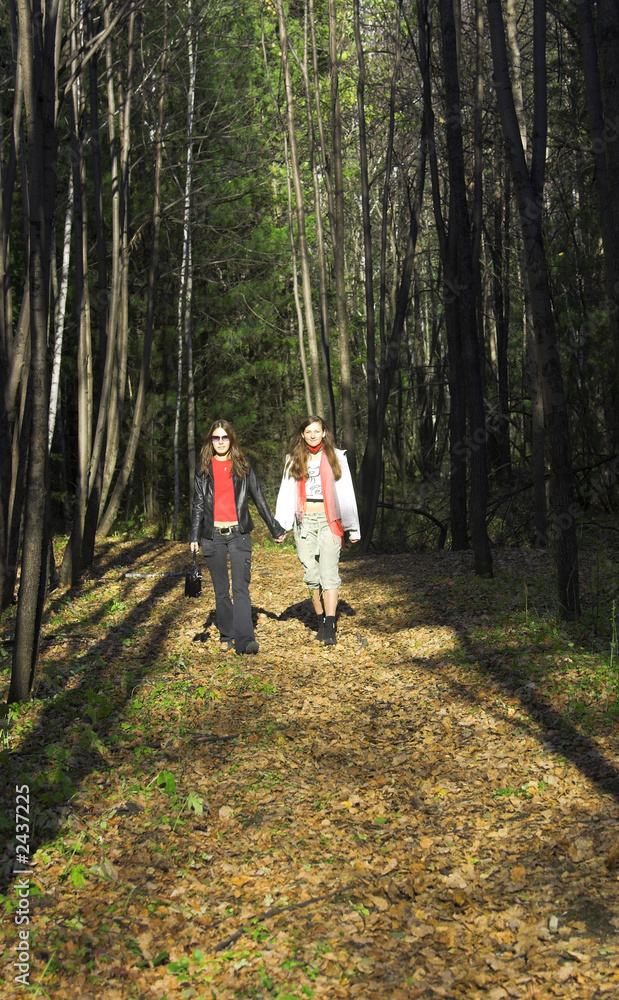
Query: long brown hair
[239, 463]
[299, 453]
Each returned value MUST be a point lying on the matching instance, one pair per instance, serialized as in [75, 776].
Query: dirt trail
[395, 816]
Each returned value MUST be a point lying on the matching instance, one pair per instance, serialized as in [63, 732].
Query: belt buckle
[225, 531]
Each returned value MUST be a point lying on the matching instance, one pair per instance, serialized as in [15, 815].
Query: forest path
[402, 815]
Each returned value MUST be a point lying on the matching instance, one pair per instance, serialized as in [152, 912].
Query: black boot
[330, 637]
[320, 632]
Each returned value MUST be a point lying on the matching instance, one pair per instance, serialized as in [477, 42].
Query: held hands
[195, 546]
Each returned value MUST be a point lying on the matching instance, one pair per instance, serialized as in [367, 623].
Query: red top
[225, 507]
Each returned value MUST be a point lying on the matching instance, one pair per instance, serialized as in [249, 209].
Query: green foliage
[166, 782]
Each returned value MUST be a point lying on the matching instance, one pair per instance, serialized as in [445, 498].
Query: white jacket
[286, 507]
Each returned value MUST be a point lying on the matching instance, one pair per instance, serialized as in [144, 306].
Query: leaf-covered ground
[427, 809]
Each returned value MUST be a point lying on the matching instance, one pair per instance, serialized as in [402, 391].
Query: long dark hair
[299, 453]
[239, 463]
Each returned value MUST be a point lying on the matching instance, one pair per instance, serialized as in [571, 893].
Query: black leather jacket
[248, 486]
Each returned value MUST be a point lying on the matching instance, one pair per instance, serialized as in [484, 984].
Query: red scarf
[329, 495]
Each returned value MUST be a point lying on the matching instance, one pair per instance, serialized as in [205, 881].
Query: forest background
[401, 216]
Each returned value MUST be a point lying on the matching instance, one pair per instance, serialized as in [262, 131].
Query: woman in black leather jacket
[225, 481]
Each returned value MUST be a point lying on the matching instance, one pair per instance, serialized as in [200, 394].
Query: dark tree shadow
[73, 699]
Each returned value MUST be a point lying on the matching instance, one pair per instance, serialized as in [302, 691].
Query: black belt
[228, 530]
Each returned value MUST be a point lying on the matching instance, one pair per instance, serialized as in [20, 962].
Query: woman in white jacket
[317, 500]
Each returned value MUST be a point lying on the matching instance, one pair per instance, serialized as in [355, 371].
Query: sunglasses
[219, 439]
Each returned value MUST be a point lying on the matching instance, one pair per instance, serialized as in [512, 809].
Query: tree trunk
[538, 433]
[608, 45]
[184, 311]
[309, 404]
[529, 187]
[392, 351]
[191, 395]
[382, 307]
[339, 239]
[477, 214]
[326, 380]
[605, 160]
[8, 172]
[39, 42]
[476, 446]
[457, 411]
[369, 458]
[19, 467]
[107, 360]
[500, 268]
[318, 376]
[298, 193]
[140, 400]
[70, 569]
[119, 371]
[59, 315]
[96, 192]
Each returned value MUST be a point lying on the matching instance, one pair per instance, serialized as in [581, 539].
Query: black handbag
[193, 580]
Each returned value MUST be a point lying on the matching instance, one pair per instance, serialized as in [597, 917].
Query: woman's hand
[195, 546]
[281, 538]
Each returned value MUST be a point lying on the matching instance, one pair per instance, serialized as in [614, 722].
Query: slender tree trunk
[59, 315]
[97, 193]
[184, 315]
[295, 291]
[603, 159]
[538, 434]
[140, 399]
[19, 354]
[446, 241]
[390, 357]
[538, 431]
[111, 314]
[317, 375]
[298, 192]
[19, 466]
[392, 353]
[339, 239]
[478, 188]
[327, 380]
[119, 371]
[476, 446]
[8, 173]
[71, 563]
[179, 399]
[382, 307]
[499, 270]
[38, 49]
[191, 396]
[369, 457]
[608, 46]
[529, 188]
